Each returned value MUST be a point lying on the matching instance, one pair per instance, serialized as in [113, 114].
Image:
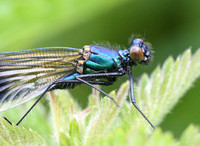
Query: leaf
[191, 136]
[159, 138]
[14, 135]
[167, 85]
[102, 123]
[138, 136]
[103, 118]
[65, 111]
[158, 94]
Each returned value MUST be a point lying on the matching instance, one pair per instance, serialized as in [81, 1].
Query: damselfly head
[139, 52]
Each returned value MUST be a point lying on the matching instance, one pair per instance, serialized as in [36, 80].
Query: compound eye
[136, 53]
[138, 42]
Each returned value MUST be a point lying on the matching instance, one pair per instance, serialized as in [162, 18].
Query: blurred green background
[170, 26]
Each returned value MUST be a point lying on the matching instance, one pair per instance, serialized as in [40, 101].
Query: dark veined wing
[25, 75]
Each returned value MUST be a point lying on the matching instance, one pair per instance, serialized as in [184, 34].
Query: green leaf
[64, 139]
[158, 94]
[105, 124]
[14, 135]
[65, 110]
[104, 117]
[159, 138]
[167, 85]
[191, 136]
[74, 132]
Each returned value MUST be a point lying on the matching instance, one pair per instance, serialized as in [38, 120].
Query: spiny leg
[116, 74]
[102, 74]
[7, 120]
[132, 96]
[74, 81]
[99, 75]
[87, 83]
[31, 106]
[91, 82]
[48, 88]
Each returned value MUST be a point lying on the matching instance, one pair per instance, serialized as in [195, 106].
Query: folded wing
[25, 75]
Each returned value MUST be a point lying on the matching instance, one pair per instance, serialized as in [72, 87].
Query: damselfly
[27, 74]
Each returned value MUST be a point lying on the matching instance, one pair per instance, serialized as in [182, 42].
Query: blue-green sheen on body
[102, 60]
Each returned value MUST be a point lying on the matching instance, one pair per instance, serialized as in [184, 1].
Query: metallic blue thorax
[101, 60]
[97, 59]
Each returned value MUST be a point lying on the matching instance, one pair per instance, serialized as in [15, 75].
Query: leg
[87, 83]
[7, 120]
[55, 82]
[91, 82]
[132, 96]
[74, 81]
[49, 87]
[31, 106]
[102, 74]
[79, 78]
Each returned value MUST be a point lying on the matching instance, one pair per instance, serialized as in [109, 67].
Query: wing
[25, 75]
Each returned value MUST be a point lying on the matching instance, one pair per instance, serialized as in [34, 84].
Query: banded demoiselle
[27, 74]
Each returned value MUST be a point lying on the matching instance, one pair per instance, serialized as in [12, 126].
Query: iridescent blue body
[103, 60]
[27, 74]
